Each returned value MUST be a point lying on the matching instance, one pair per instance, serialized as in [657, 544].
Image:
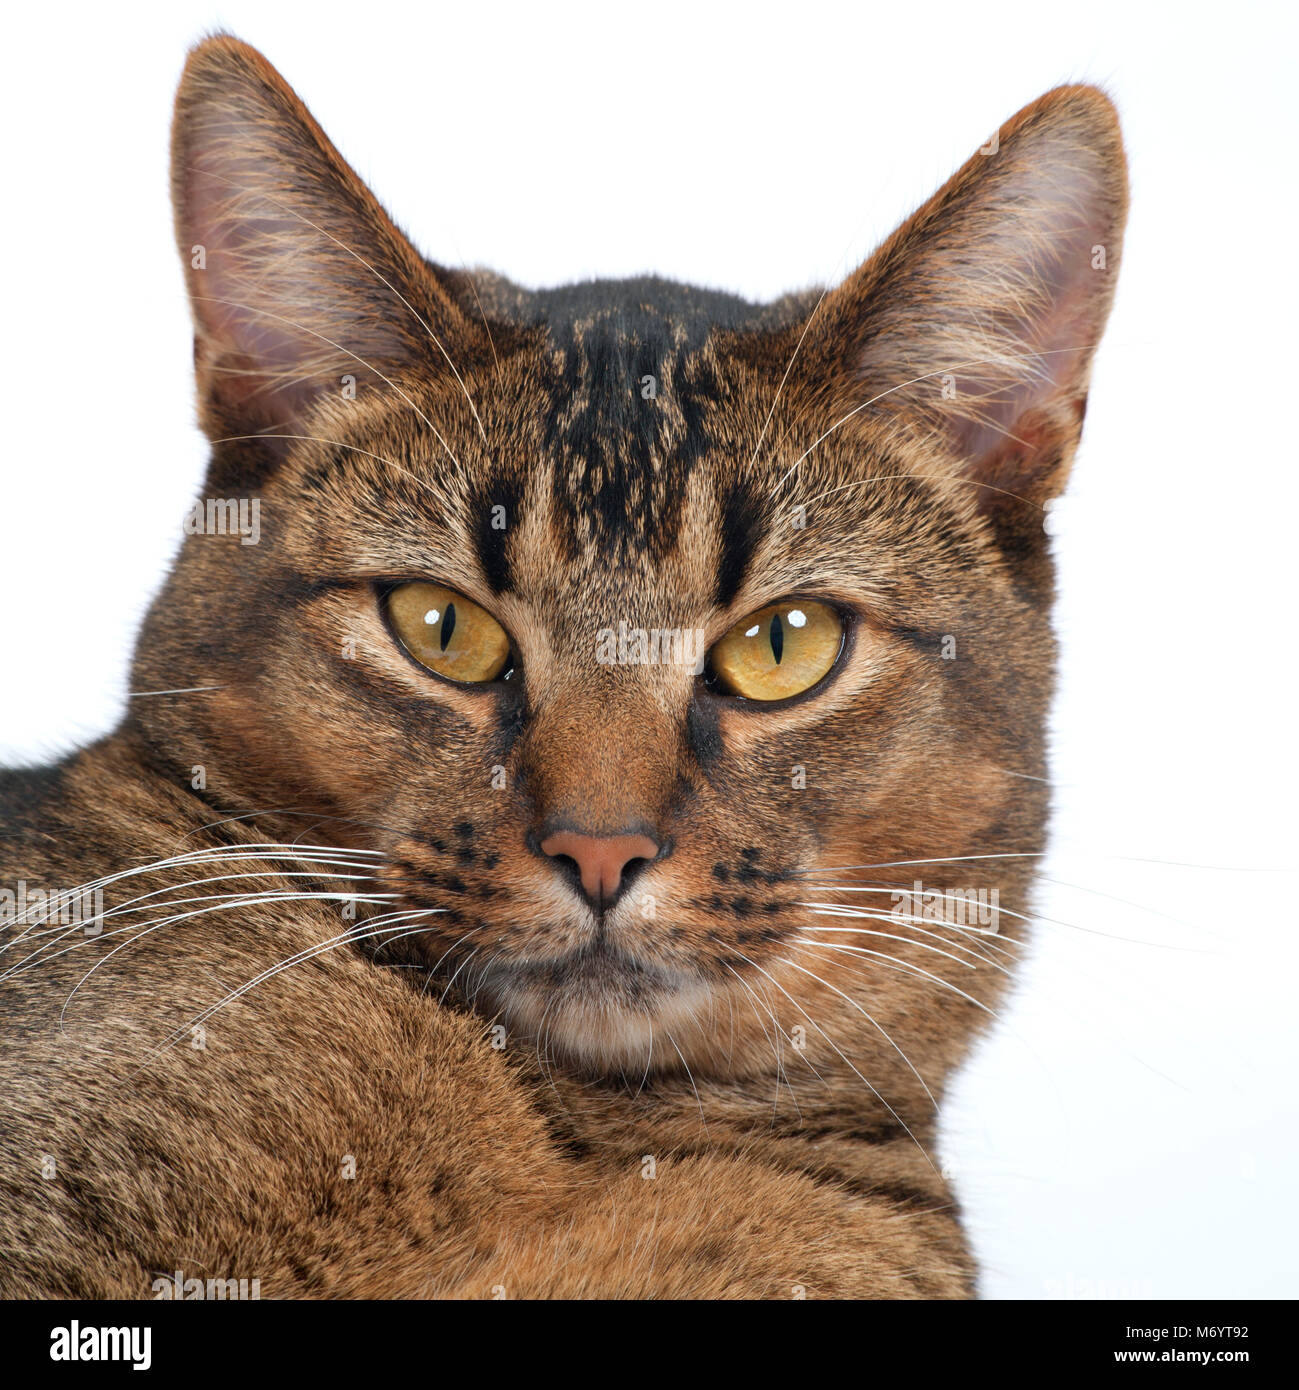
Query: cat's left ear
[977, 320]
[299, 281]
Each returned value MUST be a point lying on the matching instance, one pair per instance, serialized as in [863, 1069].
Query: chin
[601, 1010]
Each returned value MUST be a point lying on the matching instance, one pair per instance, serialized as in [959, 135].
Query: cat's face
[621, 854]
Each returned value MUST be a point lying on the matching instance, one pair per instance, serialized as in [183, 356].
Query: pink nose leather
[600, 858]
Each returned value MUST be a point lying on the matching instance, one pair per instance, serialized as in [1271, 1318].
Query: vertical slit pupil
[448, 625]
[777, 637]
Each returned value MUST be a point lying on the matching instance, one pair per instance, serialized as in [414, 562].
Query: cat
[585, 770]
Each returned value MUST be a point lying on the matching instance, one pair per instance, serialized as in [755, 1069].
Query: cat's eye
[448, 633]
[779, 651]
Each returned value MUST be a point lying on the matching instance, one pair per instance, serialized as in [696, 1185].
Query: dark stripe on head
[491, 528]
[740, 519]
[625, 426]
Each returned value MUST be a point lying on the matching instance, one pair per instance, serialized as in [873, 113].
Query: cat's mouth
[598, 965]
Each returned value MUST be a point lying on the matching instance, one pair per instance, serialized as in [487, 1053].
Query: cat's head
[640, 629]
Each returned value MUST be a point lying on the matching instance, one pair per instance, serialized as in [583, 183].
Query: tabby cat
[585, 769]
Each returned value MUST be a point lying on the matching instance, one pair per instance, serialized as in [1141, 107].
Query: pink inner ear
[248, 298]
[1047, 370]
[298, 285]
[1050, 250]
[980, 315]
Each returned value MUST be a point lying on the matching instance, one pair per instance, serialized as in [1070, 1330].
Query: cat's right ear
[299, 281]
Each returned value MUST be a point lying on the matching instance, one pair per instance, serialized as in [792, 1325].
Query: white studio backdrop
[1129, 1128]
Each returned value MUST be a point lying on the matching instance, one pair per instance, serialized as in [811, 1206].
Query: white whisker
[841, 1053]
[901, 964]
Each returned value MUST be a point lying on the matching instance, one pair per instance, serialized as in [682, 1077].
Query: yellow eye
[448, 633]
[779, 651]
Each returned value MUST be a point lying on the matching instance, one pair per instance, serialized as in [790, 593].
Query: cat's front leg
[722, 1228]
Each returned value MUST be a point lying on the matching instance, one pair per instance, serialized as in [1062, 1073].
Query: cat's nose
[601, 860]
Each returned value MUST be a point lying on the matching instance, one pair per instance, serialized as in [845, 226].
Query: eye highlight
[447, 632]
[779, 651]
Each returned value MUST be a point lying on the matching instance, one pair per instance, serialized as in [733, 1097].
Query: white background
[1131, 1127]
